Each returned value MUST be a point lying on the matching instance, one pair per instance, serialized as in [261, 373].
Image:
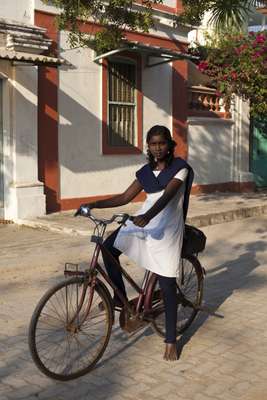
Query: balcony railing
[261, 3]
[205, 102]
[261, 7]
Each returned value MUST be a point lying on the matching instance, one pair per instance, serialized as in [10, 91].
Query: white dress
[156, 247]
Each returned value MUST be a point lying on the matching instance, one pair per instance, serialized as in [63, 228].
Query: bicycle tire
[61, 338]
[192, 281]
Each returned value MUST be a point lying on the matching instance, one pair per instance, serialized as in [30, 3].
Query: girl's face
[158, 147]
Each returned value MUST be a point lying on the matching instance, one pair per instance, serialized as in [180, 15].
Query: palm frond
[230, 13]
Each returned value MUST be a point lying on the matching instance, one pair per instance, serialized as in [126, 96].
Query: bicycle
[71, 325]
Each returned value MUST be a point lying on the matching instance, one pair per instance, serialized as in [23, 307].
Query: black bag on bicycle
[194, 241]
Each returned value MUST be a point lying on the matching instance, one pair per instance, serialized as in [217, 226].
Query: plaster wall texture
[169, 3]
[165, 30]
[210, 150]
[17, 10]
[84, 171]
[25, 123]
[219, 149]
[6, 140]
[23, 193]
[241, 141]
[157, 105]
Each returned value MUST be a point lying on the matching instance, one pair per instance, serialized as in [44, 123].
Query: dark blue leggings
[167, 285]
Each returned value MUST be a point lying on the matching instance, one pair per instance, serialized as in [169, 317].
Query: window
[121, 104]
[122, 107]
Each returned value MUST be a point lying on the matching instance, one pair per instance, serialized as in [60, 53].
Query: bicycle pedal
[130, 323]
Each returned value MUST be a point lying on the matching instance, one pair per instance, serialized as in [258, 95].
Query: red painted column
[180, 107]
[48, 162]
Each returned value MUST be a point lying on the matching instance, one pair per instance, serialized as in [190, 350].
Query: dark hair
[160, 130]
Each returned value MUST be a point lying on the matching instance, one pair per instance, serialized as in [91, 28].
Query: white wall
[210, 149]
[24, 194]
[17, 10]
[219, 148]
[157, 90]
[169, 3]
[40, 5]
[84, 170]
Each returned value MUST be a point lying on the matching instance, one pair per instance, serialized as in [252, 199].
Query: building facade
[73, 126]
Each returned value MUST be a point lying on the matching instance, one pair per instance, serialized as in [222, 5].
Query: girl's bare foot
[170, 352]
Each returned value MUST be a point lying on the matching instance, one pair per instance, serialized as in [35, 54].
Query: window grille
[121, 104]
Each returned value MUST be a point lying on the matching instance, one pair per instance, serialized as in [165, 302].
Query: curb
[51, 227]
[227, 216]
[198, 221]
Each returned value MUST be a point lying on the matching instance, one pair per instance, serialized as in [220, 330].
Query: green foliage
[117, 15]
[224, 13]
[114, 15]
[237, 64]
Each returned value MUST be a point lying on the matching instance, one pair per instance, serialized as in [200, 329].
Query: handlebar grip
[83, 210]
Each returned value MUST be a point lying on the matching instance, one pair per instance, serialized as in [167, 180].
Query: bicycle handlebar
[84, 211]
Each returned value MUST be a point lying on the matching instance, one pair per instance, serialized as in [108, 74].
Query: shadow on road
[222, 280]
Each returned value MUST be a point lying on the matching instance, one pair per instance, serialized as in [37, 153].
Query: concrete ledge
[227, 216]
[197, 220]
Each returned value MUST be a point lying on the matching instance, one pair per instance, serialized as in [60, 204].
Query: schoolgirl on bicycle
[153, 238]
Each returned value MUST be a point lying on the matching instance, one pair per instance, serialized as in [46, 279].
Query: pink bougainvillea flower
[241, 48]
[260, 38]
[257, 54]
[203, 65]
[234, 75]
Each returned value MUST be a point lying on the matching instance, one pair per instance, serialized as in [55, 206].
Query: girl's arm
[170, 191]
[119, 199]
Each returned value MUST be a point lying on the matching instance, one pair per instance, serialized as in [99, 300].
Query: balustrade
[206, 102]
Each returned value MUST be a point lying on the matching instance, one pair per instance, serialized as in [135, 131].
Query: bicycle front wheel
[68, 332]
[189, 292]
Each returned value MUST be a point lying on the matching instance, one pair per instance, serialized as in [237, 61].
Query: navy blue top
[153, 184]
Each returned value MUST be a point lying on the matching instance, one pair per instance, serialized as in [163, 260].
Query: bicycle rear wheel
[64, 339]
[189, 292]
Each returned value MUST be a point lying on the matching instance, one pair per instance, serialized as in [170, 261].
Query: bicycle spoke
[68, 340]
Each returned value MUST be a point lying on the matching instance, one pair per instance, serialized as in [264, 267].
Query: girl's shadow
[222, 281]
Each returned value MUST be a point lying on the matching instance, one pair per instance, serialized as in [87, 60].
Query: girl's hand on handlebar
[140, 220]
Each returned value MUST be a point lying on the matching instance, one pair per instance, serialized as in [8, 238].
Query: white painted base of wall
[26, 200]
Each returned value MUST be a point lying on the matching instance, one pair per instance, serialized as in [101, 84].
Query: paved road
[220, 359]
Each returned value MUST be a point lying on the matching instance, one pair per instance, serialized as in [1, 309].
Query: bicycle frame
[133, 307]
[141, 291]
